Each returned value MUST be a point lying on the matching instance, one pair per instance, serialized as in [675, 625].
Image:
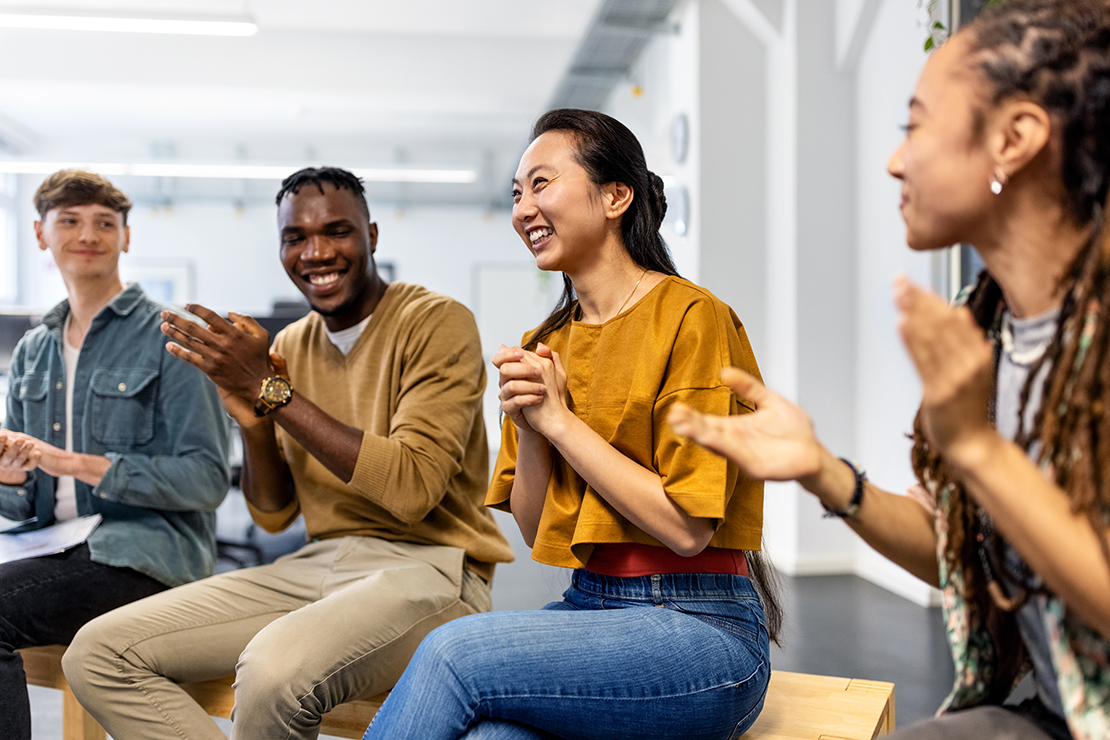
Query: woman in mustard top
[598, 482]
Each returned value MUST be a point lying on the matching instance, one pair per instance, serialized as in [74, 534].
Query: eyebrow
[531, 172]
[915, 102]
[106, 212]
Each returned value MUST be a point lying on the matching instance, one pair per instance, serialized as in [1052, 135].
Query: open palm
[775, 442]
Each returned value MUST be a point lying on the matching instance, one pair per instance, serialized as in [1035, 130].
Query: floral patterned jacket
[1080, 654]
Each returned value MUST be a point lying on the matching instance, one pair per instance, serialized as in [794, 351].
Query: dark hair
[79, 188]
[1057, 54]
[609, 152]
[339, 178]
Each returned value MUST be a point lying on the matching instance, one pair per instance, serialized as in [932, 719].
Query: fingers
[184, 331]
[214, 320]
[507, 354]
[33, 459]
[558, 363]
[17, 453]
[705, 429]
[183, 354]
[247, 324]
[745, 385]
[280, 366]
[518, 389]
[936, 335]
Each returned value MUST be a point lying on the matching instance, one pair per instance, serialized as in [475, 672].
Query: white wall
[887, 388]
[795, 107]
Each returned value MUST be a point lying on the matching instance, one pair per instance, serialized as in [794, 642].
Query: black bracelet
[849, 512]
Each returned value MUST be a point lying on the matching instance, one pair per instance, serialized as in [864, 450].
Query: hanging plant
[938, 32]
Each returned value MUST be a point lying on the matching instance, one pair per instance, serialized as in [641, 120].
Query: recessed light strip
[186, 26]
[235, 171]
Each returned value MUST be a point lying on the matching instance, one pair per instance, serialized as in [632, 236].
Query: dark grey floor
[846, 626]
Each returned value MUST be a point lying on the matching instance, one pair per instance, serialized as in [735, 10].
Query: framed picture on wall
[171, 281]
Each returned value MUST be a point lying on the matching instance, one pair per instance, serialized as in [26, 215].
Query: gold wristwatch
[275, 393]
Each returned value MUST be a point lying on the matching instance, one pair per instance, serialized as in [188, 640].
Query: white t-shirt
[346, 338]
[65, 494]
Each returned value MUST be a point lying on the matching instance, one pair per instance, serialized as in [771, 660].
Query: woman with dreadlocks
[1007, 148]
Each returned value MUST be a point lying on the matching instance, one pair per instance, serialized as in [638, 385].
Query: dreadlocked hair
[1057, 54]
[337, 177]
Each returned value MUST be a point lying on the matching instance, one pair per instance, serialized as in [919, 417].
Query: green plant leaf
[929, 43]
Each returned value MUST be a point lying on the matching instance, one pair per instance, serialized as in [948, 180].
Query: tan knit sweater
[413, 383]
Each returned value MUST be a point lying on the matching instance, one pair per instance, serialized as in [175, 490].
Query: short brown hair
[79, 188]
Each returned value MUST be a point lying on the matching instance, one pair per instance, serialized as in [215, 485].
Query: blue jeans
[602, 663]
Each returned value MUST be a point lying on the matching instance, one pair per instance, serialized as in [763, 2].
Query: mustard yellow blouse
[622, 378]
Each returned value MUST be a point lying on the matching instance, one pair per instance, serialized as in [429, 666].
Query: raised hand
[234, 354]
[955, 362]
[774, 442]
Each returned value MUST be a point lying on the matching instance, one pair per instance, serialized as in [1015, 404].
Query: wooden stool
[798, 706]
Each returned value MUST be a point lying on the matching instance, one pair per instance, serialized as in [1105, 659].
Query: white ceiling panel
[411, 80]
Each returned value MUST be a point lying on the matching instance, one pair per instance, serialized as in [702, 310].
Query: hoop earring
[998, 180]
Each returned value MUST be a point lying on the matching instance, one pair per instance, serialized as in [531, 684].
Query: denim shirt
[157, 419]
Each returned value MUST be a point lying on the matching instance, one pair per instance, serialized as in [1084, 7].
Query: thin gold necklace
[626, 300]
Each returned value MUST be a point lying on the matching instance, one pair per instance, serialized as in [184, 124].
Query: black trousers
[44, 601]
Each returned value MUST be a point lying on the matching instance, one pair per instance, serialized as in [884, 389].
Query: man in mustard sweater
[366, 418]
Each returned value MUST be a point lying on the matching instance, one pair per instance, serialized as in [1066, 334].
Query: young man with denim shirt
[366, 419]
[100, 421]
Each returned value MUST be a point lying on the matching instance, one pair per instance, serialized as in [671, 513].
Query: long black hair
[609, 152]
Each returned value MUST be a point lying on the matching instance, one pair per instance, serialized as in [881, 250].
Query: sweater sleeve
[440, 395]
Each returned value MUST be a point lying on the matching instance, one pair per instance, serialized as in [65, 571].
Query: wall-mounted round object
[680, 137]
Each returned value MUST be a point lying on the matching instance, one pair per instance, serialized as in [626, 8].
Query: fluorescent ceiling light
[235, 171]
[127, 24]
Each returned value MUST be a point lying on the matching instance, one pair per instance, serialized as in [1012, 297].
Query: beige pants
[334, 621]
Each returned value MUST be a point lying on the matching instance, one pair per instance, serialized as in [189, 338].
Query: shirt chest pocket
[31, 395]
[122, 409]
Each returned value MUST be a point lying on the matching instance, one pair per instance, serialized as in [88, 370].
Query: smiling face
[944, 162]
[85, 241]
[557, 210]
[327, 249]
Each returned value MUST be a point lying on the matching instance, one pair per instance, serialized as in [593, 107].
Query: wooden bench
[43, 666]
[799, 706]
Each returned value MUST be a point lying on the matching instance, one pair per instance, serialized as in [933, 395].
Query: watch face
[276, 390]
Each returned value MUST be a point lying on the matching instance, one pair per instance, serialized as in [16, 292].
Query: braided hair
[1055, 53]
[339, 178]
[609, 152]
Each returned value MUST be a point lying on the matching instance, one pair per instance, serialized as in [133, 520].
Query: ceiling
[357, 83]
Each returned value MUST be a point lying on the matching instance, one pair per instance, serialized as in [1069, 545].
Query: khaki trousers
[337, 620]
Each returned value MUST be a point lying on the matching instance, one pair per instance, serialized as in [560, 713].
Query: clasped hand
[21, 453]
[233, 353]
[533, 388]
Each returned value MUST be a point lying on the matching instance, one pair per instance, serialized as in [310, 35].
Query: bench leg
[77, 724]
